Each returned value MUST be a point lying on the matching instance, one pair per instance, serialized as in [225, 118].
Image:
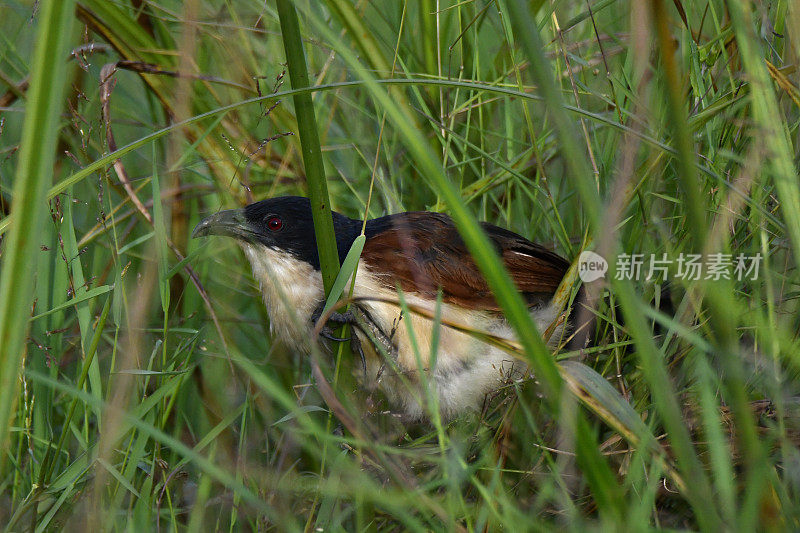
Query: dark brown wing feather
[423, 252]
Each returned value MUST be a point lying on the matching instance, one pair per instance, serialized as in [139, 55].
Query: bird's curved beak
[230, 223]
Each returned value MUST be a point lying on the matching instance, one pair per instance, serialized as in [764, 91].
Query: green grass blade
[309, 141]
[699, 488]
[348, 267]
[34, 171]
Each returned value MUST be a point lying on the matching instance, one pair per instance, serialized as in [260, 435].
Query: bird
[421, 254]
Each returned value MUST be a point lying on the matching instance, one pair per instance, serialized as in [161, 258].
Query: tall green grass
[36, 158]
[136, 405]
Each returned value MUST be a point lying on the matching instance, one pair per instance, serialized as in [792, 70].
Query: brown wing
[423, 252]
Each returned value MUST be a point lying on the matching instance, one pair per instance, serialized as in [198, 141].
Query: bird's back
[423, 252]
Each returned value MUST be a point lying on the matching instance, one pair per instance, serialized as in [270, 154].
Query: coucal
[421, 253]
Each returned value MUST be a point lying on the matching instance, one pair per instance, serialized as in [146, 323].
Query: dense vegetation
[147, 392]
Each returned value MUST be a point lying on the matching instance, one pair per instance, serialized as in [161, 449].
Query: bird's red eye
[274, 223]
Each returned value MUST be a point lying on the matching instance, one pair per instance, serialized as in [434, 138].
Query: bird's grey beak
[230, 223]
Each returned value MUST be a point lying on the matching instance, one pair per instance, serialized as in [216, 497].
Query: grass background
[147, 392]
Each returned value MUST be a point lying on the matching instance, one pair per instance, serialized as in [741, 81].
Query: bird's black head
[284, 223]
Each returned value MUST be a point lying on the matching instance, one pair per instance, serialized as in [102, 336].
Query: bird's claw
[327, 333]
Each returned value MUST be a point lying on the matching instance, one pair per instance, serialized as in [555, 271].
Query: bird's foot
[340, 319]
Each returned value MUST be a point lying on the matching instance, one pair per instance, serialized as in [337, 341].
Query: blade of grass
[698, 487]
[34, 170]
[309, 142]
[78, 285]
[348, 267]
[133, 419]
[107, 159]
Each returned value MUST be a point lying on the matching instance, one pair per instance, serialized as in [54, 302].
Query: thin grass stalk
[314, 168]
[47, 469]
[766, 113]
[699, 489]
[780, 157]
[134, 419]
[34, 172]
[679, 127]
[104, 161]
[309, 142]
[719, 299]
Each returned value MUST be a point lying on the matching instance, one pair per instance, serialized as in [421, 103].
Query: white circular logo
[591, 266]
